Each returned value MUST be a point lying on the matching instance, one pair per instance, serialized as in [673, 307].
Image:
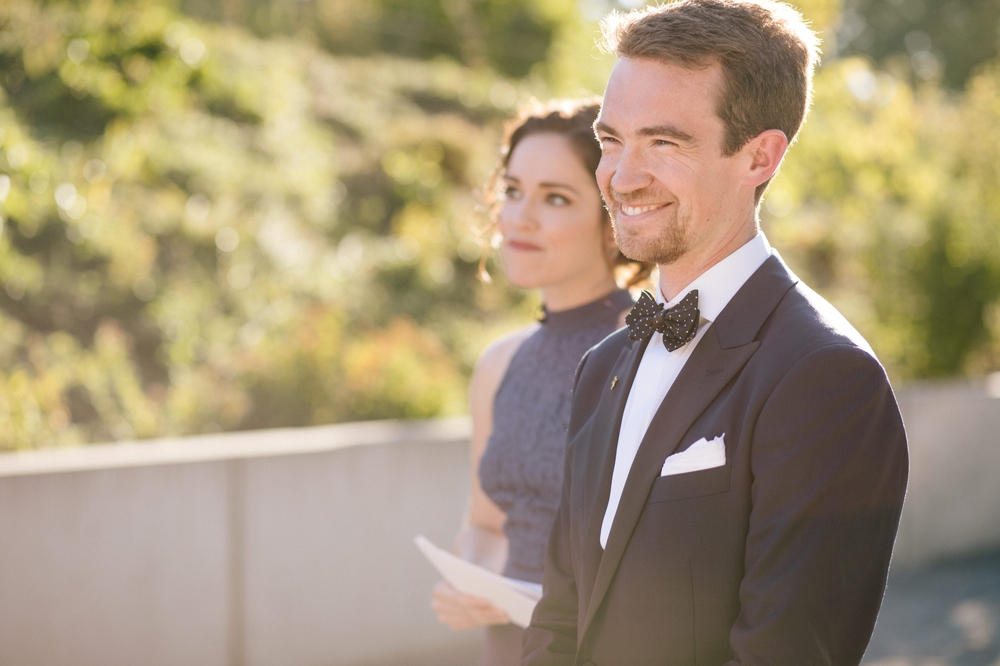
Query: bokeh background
[225, 215]
[223, 221]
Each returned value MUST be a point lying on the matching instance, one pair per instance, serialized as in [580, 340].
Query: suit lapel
[704, 375]
[607, 420]
[726, 347]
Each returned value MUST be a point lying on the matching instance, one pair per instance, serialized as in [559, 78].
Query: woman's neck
[568, 296]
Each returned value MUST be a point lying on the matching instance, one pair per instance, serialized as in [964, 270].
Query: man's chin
[648, 252]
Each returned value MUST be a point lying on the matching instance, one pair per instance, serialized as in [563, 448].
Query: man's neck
[675, 276]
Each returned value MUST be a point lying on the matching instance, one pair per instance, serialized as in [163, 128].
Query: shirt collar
[717, 286]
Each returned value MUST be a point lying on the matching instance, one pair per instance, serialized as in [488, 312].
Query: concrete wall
[952, 503]
[266, 548]
[294, 547]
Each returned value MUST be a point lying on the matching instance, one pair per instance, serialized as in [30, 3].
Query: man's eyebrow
[666, 130]
[605, 128]
[655, 130]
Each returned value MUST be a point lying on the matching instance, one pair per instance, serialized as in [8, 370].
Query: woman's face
[552, 220]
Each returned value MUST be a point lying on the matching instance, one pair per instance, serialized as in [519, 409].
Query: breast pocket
[688, 486]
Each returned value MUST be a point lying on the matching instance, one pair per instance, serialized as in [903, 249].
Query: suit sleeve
[550, 639]
[829, 463]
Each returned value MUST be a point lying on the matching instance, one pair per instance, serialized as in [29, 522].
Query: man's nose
[630, 172]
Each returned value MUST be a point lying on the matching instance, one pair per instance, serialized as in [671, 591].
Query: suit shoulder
[605, 353]
[804, 321]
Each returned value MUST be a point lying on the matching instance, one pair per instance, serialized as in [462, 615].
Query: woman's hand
[462, 611]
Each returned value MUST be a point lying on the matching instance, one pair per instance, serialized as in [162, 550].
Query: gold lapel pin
[613, 383]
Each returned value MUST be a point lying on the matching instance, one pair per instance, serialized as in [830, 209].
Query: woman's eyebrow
[561, 186]
[548, 184]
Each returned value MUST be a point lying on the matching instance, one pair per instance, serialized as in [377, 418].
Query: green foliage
[888, 205]
[203, 230]
[206, 227]
[509, 36]
[933, 40]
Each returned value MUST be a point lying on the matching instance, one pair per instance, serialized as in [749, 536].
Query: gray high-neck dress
[522, 467]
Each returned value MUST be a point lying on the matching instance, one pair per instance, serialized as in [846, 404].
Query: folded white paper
[515, 597]
[703, 454]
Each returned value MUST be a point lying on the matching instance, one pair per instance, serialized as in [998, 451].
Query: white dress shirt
[659, 368]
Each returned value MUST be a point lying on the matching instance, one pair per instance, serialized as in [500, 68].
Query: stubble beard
[665, 248]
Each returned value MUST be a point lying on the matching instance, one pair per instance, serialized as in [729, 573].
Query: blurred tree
[203, 230]
[946, 40]
[888, 205]
[509, 36]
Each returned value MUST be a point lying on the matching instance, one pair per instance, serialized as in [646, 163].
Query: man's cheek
[604, 184]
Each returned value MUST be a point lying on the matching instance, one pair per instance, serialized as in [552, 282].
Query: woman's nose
[517, 214]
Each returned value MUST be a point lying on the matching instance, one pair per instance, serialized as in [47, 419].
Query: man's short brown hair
[766, 51]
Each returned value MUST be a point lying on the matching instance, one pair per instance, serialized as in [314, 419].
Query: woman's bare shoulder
[501, 350]
[493, 362]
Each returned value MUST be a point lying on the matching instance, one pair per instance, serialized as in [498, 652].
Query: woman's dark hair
[573, 119]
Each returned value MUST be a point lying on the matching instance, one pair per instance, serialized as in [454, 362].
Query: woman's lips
[522, 246]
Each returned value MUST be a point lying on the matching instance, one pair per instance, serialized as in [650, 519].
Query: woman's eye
[558, 200]
[510, 192]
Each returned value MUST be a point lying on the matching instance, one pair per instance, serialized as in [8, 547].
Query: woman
[557, 238]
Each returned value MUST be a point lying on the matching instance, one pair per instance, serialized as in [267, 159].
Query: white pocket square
[703, 454]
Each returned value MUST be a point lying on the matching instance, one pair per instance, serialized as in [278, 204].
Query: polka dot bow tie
[677, 324]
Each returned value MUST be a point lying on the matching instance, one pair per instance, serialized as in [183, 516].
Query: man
[736, 460]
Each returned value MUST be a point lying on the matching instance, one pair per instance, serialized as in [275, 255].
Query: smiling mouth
[632, 211]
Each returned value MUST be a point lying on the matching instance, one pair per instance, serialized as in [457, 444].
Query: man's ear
[765, 152]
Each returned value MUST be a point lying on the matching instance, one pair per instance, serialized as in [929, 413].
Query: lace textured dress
[522, 467]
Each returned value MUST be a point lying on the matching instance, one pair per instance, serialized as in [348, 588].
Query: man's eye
[664, 142]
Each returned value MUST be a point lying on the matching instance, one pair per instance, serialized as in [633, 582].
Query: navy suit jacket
[780, 556]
